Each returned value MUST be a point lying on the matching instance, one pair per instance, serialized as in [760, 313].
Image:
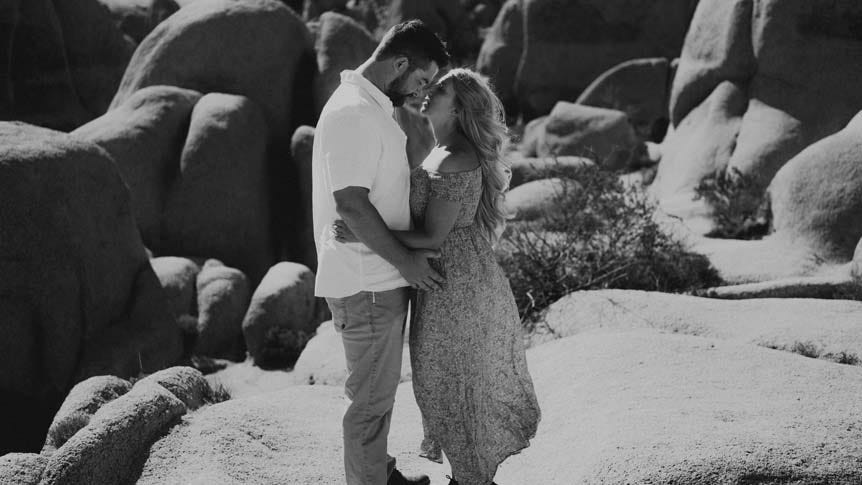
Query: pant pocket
[339, 314]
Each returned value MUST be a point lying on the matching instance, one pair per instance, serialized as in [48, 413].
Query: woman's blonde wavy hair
[482, 120]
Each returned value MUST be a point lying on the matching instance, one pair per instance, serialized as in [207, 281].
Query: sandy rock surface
[828, 329]
[635, 406]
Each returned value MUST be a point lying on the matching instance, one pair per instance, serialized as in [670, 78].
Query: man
[361, 175]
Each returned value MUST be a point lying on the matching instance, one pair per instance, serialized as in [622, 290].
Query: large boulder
[97, 50]
[535, 199]
[532, 136]
[79, 296]
[197, 167]
[791, 65]
[445, 17]
[301, 148]
[178, 277]
[223, 299]
[112, 447]
[292, 436]
[219, 205]
[145, 135]
[807, 60]
[282, 315]
[501, 52]
[565, 45]
[259, 49]
[313, 9]
[717, 48]
[80, 405]
[322, 362]
[484, 12]
[22, 468]
[856, 264]
[253, 48]
[603, 135]
[37, 86]
[137, 18]
[186, 383]
[20, 133]
[342, 43]
[816, 197]
[528, 169]
[640, 88]
[146, 340]
[701, 145]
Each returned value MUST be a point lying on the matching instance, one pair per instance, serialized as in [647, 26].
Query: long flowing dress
[469, 363]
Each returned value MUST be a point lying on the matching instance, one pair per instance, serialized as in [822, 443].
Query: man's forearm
[366, 224]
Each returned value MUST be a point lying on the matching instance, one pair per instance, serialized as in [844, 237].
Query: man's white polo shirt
[357, 142]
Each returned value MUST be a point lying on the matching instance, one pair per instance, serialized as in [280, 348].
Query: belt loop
[373, 297]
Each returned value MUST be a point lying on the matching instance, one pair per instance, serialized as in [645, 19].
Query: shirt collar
[353, 77]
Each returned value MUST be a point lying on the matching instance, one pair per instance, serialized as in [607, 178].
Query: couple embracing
[385, 229]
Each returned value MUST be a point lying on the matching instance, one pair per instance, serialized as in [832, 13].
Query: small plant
[844, 358]
[808, 349]
[740, 207]
[218, 393]
[601, 234]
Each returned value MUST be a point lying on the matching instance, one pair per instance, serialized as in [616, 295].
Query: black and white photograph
[431, 242]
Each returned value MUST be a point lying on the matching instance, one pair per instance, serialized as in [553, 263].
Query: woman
[470, 372]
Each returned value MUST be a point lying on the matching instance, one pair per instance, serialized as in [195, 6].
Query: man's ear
[401, 64]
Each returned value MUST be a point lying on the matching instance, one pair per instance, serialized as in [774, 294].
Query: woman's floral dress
[470, 372]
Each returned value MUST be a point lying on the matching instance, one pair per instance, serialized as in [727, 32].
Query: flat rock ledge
[835, 287]
[825, 329]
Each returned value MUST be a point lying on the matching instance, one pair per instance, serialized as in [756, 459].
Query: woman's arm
[420, 134]
[440, 217]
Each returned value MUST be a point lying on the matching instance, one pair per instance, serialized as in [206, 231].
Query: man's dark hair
[415, 41]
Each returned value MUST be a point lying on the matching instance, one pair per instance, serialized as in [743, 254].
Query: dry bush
[740, 207]
[601, 235]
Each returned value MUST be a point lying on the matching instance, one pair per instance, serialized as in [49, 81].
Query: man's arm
[440, 217]
[364, 221]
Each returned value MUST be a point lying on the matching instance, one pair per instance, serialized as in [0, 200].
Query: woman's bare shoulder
[459, 161]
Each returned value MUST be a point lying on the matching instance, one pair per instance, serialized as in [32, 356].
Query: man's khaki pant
[372, 330]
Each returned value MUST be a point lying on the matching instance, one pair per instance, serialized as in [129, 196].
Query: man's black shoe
[396, 478]
[452, 481]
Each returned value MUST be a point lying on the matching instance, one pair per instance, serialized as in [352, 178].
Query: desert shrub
[814, 351]
[601, 234]
[844, 358]
[808, 349]
[217, 392]
[739, 204]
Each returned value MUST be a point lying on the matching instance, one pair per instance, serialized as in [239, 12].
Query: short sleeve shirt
[358, 143]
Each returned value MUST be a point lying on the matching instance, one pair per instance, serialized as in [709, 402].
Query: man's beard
[394, 91]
